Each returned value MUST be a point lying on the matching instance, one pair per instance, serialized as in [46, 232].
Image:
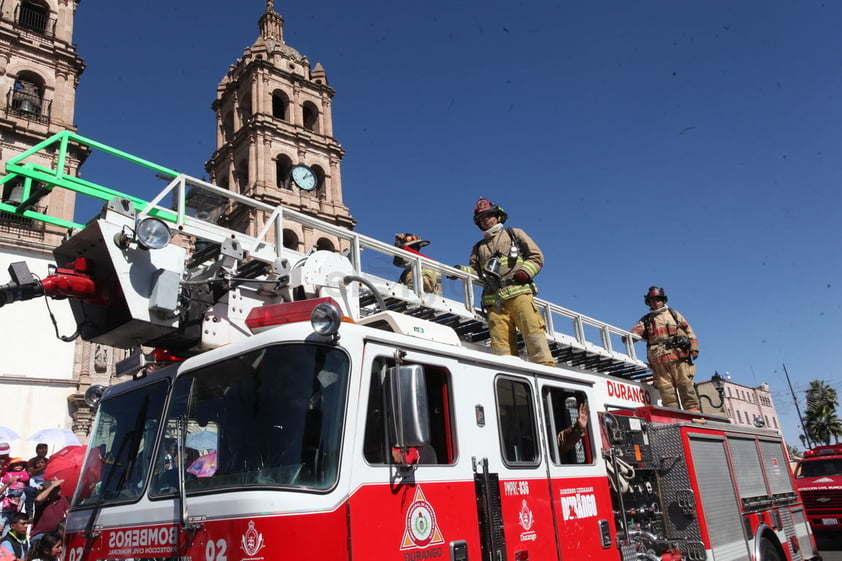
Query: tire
[768, 551]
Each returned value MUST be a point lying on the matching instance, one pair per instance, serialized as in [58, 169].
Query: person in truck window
[507, 260]
[671, 346]
[413, 244]
[569, 436]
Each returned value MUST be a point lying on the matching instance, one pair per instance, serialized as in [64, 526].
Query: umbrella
[66, 464]
[7, 434]
[55, 437]
[202, 440]
[203, 466]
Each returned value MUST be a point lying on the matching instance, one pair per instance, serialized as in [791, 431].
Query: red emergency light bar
[163, 355]
[288, 312]
[823, 451]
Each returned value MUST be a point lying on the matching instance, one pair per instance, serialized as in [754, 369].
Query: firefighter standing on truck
[507, 260]
[671, 346]
[412, 243]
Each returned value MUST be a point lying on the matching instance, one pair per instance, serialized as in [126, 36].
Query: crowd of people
[507, 260]
[32, 509]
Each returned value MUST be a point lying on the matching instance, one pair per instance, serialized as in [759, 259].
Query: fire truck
[818, 476]
[283, 405]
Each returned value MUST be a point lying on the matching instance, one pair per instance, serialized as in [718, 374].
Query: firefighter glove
[451, 277]
[522, 276]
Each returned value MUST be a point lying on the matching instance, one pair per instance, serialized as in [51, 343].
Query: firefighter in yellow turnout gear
[670, 345]
[413, 244]
[507, 260]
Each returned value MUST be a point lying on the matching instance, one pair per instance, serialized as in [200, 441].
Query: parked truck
[818, 476]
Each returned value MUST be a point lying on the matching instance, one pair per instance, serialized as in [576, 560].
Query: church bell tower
[274, 139]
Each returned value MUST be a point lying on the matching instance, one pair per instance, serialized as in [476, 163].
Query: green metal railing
[39, 180]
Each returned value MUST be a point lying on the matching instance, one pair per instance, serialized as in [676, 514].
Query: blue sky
[694, 145]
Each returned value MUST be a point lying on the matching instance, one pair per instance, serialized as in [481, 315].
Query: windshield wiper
[182, 445]
[105, 485]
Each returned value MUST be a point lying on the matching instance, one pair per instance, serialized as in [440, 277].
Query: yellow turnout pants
[519, 314]
[671, 376]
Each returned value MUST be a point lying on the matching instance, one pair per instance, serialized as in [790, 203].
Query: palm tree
[793, 451]
[819, 393]
[822, 424]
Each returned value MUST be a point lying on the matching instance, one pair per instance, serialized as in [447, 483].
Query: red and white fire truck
[314, 409]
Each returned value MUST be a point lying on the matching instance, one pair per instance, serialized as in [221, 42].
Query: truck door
[416, 503]
[579, 491]
[525, 517]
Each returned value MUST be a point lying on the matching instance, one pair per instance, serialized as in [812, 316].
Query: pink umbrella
[204, 466]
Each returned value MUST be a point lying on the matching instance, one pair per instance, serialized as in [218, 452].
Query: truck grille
[829, 501]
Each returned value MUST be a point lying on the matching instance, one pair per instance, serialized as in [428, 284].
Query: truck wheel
[768, 551]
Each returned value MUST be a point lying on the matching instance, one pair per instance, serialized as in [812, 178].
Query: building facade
[44, 367]
[744, 405]
[39, 73]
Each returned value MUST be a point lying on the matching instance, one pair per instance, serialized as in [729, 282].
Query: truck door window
[566, 445]
[516, 415]
[377, 443]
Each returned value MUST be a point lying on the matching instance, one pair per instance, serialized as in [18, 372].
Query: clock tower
[274, 139]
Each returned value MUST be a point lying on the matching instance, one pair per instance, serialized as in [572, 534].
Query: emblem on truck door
[421, 529]
[252, 541]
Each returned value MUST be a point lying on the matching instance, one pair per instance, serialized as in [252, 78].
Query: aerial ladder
[161, 274]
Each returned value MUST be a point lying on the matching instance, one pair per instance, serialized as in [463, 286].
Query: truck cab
[819, 479]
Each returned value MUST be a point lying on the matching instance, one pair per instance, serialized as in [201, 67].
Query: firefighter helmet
[655, 292]
[484, 206]
[410, 240]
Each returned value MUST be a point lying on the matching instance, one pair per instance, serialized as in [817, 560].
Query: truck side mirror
[408, 406]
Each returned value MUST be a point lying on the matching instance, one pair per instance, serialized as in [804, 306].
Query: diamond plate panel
[677, 496]
[789, 531]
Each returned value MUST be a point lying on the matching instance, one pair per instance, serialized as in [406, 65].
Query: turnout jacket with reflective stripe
[661, 330]
[529, 259]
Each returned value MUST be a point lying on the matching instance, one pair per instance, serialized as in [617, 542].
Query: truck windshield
[273, 416]
[820, 468]
[121, 450]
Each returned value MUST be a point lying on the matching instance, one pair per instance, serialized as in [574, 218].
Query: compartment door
[720, 512]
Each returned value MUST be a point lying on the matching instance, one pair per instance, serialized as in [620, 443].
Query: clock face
[304, 177]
